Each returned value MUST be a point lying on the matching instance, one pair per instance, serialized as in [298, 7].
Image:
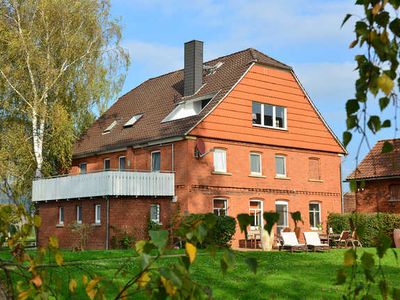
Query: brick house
[237, 134]
[378, 180]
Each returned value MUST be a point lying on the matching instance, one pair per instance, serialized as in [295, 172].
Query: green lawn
[281, 275]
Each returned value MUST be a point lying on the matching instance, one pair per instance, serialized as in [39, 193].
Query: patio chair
[342, 240]
[291, 243]
[353, 240]
[313, 241]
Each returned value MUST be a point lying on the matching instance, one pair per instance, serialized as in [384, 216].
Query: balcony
[106, 183]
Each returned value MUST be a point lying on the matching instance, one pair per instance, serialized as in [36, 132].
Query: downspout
[172, 158]
[107, 222]
[341, 186]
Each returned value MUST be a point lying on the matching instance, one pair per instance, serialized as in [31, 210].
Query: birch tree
[60, 62]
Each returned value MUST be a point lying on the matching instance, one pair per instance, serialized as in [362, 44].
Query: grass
[281, 275]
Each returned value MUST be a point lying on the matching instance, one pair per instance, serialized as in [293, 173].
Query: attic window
[133, 120]
[111, 126]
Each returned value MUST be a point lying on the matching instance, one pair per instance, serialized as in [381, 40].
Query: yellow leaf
[37, 281]
[23, 295]
[143, 280]
[37, 221]
[376, 8]
[84, 279]
[59, 258]
[53, 242]
[191, 251]
[385, 83]
[72, 285]
[91, 290]
[169, 287]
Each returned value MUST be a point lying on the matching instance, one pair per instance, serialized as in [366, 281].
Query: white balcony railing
[108, 183]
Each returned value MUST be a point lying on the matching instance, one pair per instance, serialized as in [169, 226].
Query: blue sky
[303, 34]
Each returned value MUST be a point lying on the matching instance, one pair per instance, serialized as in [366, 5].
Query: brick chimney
[193, 69]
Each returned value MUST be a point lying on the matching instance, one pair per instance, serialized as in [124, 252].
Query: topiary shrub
[368, 226]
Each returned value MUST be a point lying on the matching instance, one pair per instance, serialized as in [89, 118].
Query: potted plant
[267, 236]
[296, 217]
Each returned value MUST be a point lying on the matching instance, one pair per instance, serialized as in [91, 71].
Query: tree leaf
[387, 147]
[349, 258]
[59, 258]
[346, 18]
[37, 221]
[53, 242]
[346, 138]
[37, 281]
[374, 123]
[191, 251]
[143, 280]
[395, 26]
[168, 285]
[383, 103]
[367, 260]
[159, 238]
[252, 263]
[91, 290]
[340, 276]
[385, 83]
[352, 106]
[386, 124]
[72, 285]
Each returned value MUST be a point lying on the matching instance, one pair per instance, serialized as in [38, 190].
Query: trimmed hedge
[369, 226]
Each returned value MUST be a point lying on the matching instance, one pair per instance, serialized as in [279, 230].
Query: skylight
[133, 120]
[111, 126]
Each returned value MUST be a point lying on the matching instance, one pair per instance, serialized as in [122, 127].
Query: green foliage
[223, 231]
[271, 218]
[368, 226]
[244, 222]
[377, 35]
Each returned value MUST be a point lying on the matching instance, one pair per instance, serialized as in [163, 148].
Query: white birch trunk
[38, 134]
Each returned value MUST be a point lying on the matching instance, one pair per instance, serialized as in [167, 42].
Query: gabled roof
[377, 164]
[157, 97]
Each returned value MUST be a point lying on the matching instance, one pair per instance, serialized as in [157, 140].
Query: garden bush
[220, 234]
[368, 225]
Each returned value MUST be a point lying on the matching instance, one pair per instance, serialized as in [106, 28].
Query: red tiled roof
[157, 97]
[377, 164]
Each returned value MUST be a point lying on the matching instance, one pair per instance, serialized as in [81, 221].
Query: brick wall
[126, 214]
[375, 197]
[349, 202]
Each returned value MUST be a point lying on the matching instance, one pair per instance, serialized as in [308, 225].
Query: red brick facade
[376, 196]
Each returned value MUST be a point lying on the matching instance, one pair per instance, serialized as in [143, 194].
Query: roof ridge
[277, 61]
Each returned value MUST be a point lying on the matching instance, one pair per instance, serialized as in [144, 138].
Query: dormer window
[267, 115]
[188, 108]
[133, 120]
[111, 126]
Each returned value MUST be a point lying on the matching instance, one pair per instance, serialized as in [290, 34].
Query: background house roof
[157, 97]
[377, 164]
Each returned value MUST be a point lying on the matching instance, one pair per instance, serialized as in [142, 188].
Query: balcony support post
[107, 223]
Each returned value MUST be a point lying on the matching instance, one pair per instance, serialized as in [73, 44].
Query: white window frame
[110, 127]
[260, 209]
[286, 218]
[284, 175]
[80, 167]
[97, 214]
[260, 160]
[133, 120]
[314, 212]
[78, 212]
[104, 164]
[158, 206]
[61, 215]
[119, 163]
[225, 208]
[224, 167]
[151, 162]
[273, 116]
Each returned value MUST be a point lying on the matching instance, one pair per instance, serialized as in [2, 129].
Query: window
[79, 214]
[133, 120]
[83, 168]
[155, 213]
[188, 108]
[97, 214]
[395, 192]
[61, 215]
[255, 164]
[155, 161]
[220, 207]
[111, 126]
[281, 207]
[256, 209]
[280, 165]
[220, 160]
[267, 115]
[122, 161]
[314, 168]
[107, 164]
[315, 214]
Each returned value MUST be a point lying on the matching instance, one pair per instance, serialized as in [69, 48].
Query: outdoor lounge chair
[342, 240]
[353, 240]
[313, 241]
[291, 243]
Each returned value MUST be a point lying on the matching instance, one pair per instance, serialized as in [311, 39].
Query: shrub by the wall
[368, 225]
